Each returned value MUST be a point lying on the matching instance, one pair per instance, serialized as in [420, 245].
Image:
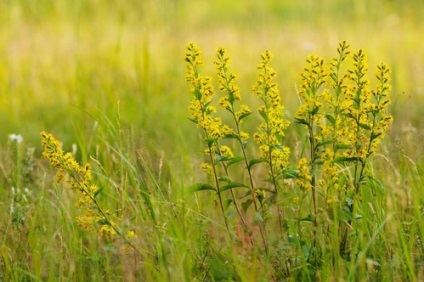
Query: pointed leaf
[263, 115]
[98, 191]
[302, 121]
[228, 203]
[331, 119]
[243, 116]
[245, 205]
[343, 146]
[201, 187]
[309, 218]
[345, 159]
[235, 160]
[232, 185]
[210, 141]
[197, 94]
[290, 173]
[374, 136]
[292, 239]
[224, 179]
[219, 159]
[255, 161]
[192, 120]
[364, 126]
[314, 111]
[248, 193]
[231, 136]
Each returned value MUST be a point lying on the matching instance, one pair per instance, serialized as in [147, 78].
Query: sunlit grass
[109, 80]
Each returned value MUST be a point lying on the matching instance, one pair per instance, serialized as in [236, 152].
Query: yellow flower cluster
[345, 118]
[79, 178]
[271, 131]
[365, 109]
[201, 87]
[330, 176]
[305, 177]
[226, 80]
[313, 77]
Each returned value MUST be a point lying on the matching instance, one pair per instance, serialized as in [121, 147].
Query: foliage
[319, 183]
[344, 121]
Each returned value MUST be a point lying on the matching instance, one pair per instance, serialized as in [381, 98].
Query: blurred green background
[63, 62]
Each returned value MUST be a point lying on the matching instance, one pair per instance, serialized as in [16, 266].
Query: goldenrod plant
[79, 178]
[344, 120]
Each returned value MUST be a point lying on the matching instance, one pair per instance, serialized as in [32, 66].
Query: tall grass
[108, 80]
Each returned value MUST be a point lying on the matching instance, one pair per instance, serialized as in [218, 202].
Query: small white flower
[16, 138]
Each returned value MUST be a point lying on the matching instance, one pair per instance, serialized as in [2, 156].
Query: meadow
[116, 164]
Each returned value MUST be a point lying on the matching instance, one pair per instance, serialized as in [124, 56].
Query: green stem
[219, 192]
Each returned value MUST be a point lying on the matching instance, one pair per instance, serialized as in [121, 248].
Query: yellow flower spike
[226, 151]
[271, 131]
[304, 180]
[207, 168]
[107, 232]
[79, 178]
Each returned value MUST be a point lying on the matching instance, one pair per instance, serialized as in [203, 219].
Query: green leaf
[314, 111]
[98, 191]
[343, 146]
[345, 159]
[364, 126]
[210, 141]
[235, 160]
[246, 204]
[227, 203]
[192, 120]
[219, 159]
[243, 116]
[201, 187]
[278, 147]
[331, 119]
[374, 136]
[231, 136]
[232, 185]
[224, 179]
[323, 143]
[263, 115]
[309, 218]
[301, 121]
[319, 162]
[248, 193]
[255, 161]
[293, 239]
[290, 173]
[197, 94]
[103, 221]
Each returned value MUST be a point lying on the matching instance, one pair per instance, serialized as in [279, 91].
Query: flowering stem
[233, 196]
[106, 218]
[218, 191]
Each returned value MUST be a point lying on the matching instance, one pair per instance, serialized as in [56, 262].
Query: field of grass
[108, 79]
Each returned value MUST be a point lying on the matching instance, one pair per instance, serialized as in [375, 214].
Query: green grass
[110, 78]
